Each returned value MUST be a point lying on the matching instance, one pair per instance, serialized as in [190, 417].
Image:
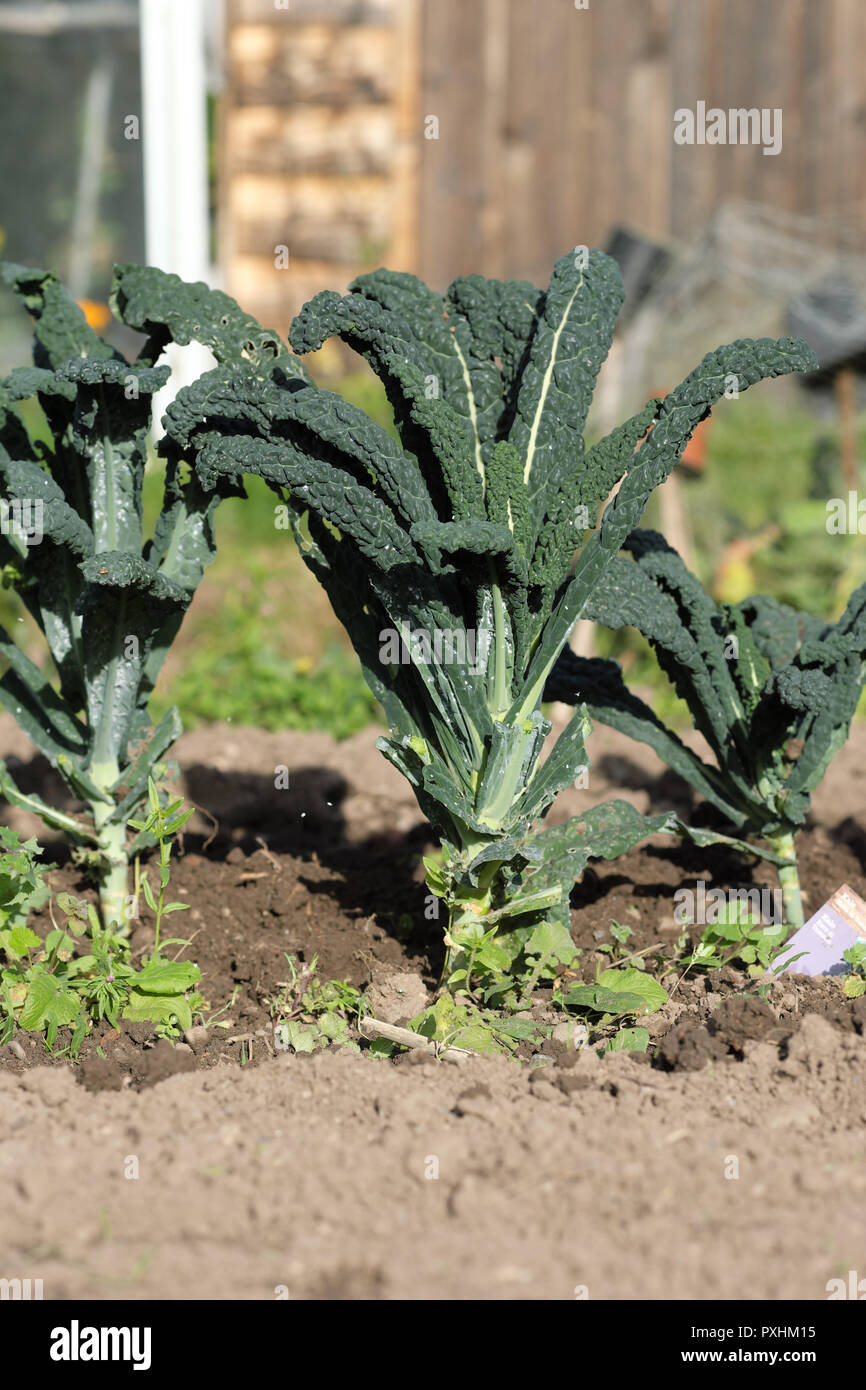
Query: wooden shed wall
[554, 124]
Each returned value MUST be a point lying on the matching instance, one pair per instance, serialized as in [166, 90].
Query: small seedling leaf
[167, 977]
[628, 1040]
[19, 940]
[635, 982]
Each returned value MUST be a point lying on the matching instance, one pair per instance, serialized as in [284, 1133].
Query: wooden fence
[447, 136]
[316, 146]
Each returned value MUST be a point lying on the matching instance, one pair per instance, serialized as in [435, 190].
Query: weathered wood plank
[257, 280]
[544, 209]
[405, 157]
[649, 128]
[740, 35]
[493, 116]
[815, 116]
[324, 219]
[310, 139]
[451, 169]
[774, 177]
[621, 37]
[788, 190]
[847, 78]
[688, 167]
[520, 218]
[554, 123]
[322, 64]
[581, 121]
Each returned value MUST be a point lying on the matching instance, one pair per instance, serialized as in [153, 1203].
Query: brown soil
[315, 1173]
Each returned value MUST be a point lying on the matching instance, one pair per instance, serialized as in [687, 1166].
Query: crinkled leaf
[590, 480]
[571, 340]
[331, 493]
[169, 309]
[681, 412]
[598, 684]
[476, 539]
[440, 436]
[604, 832]
[112, 414]
[123, 606]
[62, 331]
[38, 709]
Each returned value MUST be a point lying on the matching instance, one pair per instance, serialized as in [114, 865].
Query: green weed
[309, 1013]
[82, 973]
[854, 983]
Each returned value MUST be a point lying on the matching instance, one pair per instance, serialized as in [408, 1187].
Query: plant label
[831, 930]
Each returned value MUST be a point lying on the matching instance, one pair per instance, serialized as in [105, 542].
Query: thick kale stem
[789, 878]
[113, 882]
[114, 861]
[468, 908]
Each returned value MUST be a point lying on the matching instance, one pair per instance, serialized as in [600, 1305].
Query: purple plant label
[827, 934]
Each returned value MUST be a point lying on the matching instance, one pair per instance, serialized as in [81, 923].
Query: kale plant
[449, 556]
[772, 690]
[72, 545]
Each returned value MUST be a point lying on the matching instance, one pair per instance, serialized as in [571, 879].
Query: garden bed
[258, 1170]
